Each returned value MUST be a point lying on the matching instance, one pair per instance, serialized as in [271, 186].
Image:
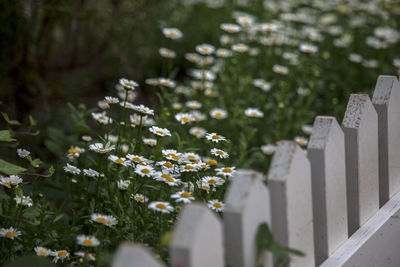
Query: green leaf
[50, 172]
[5, 136]
[9, 168]
[32, 212]
[294, 251]
[3, 195]
[264, 237]
[30, 260]
[34, 162]
[32, 121]
[18, 192]
[12, 122]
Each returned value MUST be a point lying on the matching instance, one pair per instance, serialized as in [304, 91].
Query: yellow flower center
[197, 132]
[172, 34]
[217, 205]
[212, 162]
[218, 114]
[7, 184]
[137, 159]
[42, 252]
[186, 194]
[139, 198]
[212, 181]
[216, 137]
[160, 132]
[62, 253]
[219, 152]
[119, 160]
[191, 157]
[128, 84]
[101, 220]
[145, 171]
[168, 178]
[168, 164]
[9, 234]
[189, 167]
[87, 242]
[175, 157]
[161, 206]
[185, 119]
[227, 170]
[102, 148]
[205, 187]
[73, 151]
[102, 118]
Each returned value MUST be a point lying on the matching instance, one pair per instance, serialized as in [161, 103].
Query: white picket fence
[339, 203]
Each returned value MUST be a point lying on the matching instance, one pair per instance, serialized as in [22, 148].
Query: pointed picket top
[289, 183]
[197, 240]
[246, 207]
[135, 255]
[386, 100]
[360, 127]
[327, 157]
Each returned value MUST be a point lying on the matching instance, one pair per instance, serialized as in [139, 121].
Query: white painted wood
[135, 255]
[386, 100]
[289, 183]
[197, 238]
[328, 172]
[376, 243]
[246, 207]
[360, 127]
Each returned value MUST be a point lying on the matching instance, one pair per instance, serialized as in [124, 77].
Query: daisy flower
[280, 69]
[177, 106]
[262, 84]
[216, 205]
[308, 48]
[219, 153]
[152, 81]
[23, 153]
[212, 162]
[226, 171]
[60, 255]
[140, 198]
[212, 180]
[203, 165]
[268, 149]
[205, 49]
[111, 100]
[204, 186]
[193, 104]
[135, 158]
[144, 120]
[107, 220]
[303, 91]
[150, 141]
[230, 27]
[167, 178]
[189, 168]
[240, 48]
[198, 132]
[191, 156]
[254, 113]
[192, 57]
[12, 180]
[166, 165]
[218, 113]
[75, 151]
[128, 84]
[103, 104]
[24, 201]
[143, 109]
[87, 241]
[307, 129]
[126, 104]
[171, 154]
[203, 75]
[182, 196]
[215, 137]
[163, 207]
[172, 33]
[83, 255]
[160, 131]
[90, 172]
[42, 251]
[118, 160]
[144, 171]
[87, 138]
[245, 20]
[224, 53]
[167, 53]
[100, 148]
[101, 118]
[72, 169]
[9, 233]
[197, 115]
[301, 140]
[184, 118]
[123, 184]
[166, 82]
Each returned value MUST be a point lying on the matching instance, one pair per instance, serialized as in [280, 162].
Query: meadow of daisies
[130, 166]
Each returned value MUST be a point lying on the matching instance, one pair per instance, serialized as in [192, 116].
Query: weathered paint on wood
[328, 171]
[197, 239]
[386, 100]
[360, 127]
[246, 207]
[289, 183]
[135, 255]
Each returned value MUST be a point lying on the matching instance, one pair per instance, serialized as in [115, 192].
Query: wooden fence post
[197, 238]
[328, 172]
[386, 100]
[360, 126]
[246, 207]
[135, 255]
[289, 183]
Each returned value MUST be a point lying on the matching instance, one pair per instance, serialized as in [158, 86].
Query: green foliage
[9, 168]
[8, 120]
[5, 136]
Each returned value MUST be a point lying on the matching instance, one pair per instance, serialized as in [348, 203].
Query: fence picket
[246, 207]
[326, 155]
[197, 238]
[135, 255]
[289, 183]
[386, 100]
[360, 127]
